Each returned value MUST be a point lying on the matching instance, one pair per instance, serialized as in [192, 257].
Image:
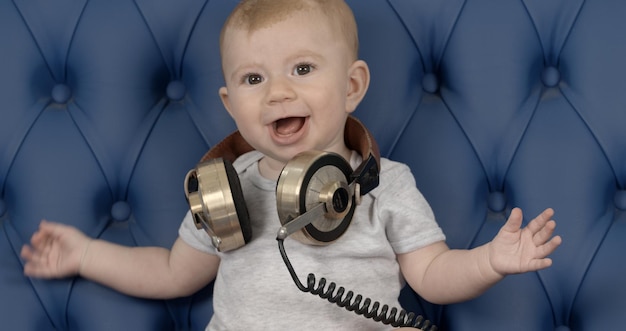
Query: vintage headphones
[316, 193]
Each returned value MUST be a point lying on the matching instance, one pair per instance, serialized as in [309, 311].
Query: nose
[280, 90]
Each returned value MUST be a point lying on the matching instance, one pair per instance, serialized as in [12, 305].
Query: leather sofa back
[105, 105]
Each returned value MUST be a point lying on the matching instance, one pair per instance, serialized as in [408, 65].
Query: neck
[270, 169]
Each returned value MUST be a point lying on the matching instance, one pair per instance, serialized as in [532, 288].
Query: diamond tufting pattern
[105, 105]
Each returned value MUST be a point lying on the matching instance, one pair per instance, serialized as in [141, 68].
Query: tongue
[289, 125]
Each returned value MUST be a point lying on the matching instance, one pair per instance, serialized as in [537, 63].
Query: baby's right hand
[55, 251]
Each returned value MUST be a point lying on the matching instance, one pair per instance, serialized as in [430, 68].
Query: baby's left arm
[442, 275]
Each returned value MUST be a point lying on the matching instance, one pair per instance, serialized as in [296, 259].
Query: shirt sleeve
[409, 220]
[195, 238]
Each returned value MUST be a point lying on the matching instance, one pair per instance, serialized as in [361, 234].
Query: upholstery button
[620, 200]
[120, 211]
[562, 328]
[550, 76]
[430, 83]
[3, 208]
[176, 90]
[496, 201]
[61, 93]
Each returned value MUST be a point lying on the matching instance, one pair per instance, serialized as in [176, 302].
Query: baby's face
[287, 85]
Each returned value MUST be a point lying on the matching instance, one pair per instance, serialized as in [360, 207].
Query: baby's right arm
[58, 250]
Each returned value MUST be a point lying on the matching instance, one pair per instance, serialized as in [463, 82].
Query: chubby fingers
[33, 261]
[36, 255]
[514, 222]
[540, 221]
[542, 230]
[27, 253]
[542, 227]
[546, 243]
[545, 233]
[41, 237]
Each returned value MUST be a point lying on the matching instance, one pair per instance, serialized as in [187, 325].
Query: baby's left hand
[517, 250]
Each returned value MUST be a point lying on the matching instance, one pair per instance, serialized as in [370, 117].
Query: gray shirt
[253, 289]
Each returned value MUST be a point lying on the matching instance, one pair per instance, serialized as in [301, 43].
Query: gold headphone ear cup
[301, 187]
[219, 205]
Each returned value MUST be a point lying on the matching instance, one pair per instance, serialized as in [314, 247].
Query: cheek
[239, 105]
[328, 93]
[334, 92]
[332, 102]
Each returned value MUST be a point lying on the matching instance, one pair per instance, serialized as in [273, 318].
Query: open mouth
[289, 125]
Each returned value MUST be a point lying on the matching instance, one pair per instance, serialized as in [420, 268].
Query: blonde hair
[251, 15]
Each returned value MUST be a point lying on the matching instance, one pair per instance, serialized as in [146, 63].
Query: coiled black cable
[345, 299]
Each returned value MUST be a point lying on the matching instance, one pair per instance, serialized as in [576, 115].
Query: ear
[223, 92]
[358, 82]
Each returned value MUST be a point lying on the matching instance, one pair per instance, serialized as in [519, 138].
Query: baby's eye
[253, 79]
[303, 69]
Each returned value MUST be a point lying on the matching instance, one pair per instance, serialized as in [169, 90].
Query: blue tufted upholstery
[105, 104]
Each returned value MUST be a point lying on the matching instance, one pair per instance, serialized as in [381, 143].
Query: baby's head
[251, 15]
[292, 76]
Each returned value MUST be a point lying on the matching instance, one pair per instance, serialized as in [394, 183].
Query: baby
[292, 80]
